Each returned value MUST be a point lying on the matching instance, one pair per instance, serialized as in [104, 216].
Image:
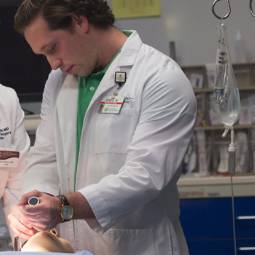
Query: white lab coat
[50, 92]
[13, 136]
[128, 163]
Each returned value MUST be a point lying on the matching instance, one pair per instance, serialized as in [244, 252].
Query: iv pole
[232, 147]
[226, 15]
[251, 8]
[229, 9]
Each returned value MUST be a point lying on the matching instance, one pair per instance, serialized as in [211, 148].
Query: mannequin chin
[47, 242]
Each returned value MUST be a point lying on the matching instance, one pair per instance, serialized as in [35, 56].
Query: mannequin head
[45, 241]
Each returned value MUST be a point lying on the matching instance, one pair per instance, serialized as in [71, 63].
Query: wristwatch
[66, 210]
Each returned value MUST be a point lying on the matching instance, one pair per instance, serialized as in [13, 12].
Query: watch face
[67, 212]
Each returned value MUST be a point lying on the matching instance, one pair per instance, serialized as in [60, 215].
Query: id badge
[9, 157]
[112, 105]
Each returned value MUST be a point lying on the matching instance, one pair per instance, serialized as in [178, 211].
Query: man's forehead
[38, 35]
[37, 23]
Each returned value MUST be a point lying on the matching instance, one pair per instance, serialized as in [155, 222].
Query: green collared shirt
[87, 88]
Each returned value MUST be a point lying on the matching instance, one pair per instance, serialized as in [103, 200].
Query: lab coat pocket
[113, 132]
[132, 241]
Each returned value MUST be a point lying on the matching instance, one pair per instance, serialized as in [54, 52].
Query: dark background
[20, 68]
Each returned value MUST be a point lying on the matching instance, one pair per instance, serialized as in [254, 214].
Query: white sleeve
[41, 167]
[41, 171]
[51, 89]
[20, 142]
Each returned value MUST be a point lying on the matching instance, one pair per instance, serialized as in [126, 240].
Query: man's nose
[54, 63]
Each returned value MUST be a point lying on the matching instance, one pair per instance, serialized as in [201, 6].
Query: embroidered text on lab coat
[4, 132]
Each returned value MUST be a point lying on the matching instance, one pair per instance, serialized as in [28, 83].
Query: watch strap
[63, 204]
[63, 200]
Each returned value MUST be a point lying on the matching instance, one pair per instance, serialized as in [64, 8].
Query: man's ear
[82, 22]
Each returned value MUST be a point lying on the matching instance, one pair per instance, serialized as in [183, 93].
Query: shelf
[215, 180]
[210, 90]
[220, 127]
[205, 90]
[235, 65]
[216, 186]
[207, 137]
[251, 88]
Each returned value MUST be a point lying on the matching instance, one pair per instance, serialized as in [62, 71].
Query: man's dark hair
[59, 14]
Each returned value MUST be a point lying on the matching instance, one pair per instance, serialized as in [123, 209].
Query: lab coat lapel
[122, 62]
[67, 99]
[66, 123]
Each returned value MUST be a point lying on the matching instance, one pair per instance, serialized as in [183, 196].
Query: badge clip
[120, 78]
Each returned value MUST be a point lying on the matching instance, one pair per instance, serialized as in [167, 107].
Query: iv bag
[227, 98]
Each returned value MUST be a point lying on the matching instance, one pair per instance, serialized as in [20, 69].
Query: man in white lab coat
[14, 144]
[115, 138]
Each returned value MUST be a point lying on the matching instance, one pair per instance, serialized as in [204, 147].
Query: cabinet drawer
[245, 217]
[245, 228]
[211, 247]
[206, 218]
[245, 246]
[245, 205]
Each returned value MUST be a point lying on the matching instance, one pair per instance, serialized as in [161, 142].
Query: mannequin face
[47, 242]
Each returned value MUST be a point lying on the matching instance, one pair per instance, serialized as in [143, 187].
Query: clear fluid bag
[227, 97]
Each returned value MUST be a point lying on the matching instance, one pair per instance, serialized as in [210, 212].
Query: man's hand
[19, 225]
[27, 219]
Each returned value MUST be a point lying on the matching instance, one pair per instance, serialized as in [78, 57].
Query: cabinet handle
[246, 217]
[246, 248]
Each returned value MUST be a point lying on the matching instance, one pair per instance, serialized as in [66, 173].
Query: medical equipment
[227, 100]
[229, 9]
[225, 88]
[251, 8]
[227, 96]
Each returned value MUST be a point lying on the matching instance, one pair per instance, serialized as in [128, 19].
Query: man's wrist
[66, 210]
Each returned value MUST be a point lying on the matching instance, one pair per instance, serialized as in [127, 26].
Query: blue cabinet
[208, 225]
[245, 225]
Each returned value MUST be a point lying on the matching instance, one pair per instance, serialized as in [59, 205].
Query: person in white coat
[50, 92]
[115, 139]
[14, 145]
